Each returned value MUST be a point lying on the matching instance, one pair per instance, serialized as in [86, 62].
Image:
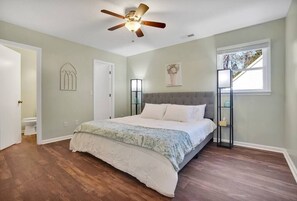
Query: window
[250, 64]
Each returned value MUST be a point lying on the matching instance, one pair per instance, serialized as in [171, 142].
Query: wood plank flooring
[52, 172]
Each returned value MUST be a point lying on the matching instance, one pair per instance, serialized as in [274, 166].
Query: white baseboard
[259, 146]
[291, 164]
[56, 139]
[268, 148]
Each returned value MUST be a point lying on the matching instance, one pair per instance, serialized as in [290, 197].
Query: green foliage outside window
[240, 60]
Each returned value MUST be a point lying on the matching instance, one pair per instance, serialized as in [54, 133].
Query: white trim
[112, 69]
[56, 139]
[239, 46]
[249, 92]
[268, 148]
[264, 44]
[112, 66]
[291, 164]
[260, 147]
[38, 82]
[255, 146]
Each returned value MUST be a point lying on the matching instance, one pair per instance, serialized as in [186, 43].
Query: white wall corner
[291, 165]
[56, 139]
[268, 148]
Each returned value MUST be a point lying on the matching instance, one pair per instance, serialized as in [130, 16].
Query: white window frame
[266, 45]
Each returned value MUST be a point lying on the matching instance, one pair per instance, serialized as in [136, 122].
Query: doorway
[103, 90]
[38, 113]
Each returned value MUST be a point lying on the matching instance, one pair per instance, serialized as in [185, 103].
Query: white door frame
[112, 83]
[38, 82]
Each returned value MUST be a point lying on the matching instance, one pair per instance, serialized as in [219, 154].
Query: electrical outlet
[76, 122]
[65, 123]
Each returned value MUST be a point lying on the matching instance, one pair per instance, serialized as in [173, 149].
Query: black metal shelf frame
[135, 96]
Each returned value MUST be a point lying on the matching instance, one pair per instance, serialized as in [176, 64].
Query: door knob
[20, 101]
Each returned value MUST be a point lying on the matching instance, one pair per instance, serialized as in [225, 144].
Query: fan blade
[116, 27]
[154, 24]
[112, 13]
[141, 10]
[139, 33]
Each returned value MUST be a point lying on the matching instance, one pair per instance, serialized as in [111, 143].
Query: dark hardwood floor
[52, 172]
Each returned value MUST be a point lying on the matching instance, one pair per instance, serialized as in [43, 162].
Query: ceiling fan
[134, 20]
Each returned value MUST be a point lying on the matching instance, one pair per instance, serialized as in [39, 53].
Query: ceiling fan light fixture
[133, 20]
[132, 25]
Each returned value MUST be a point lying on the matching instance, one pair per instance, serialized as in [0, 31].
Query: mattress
[149, 167]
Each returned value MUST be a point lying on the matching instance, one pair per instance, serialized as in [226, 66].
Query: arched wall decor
[68, 77]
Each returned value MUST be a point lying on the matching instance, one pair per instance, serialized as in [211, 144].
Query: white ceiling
[81, 20]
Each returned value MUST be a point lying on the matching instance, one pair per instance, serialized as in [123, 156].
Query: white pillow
[153, 111]
[199, 112]
[181, 113]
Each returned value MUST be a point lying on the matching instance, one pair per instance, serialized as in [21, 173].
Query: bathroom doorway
[28, 92]
[30, 100]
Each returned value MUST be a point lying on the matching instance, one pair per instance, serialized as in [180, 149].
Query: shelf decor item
[223, 122]
[224, 106]
[136, 96]
[227, 103]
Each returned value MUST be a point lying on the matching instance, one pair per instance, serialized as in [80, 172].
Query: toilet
[30, 125]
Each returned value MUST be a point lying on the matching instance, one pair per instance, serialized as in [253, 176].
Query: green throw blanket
[172, 144]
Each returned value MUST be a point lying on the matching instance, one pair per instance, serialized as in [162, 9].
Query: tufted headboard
[183, 98]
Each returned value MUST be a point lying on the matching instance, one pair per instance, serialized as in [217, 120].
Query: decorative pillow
[181, 113]
[199, 112]
[153, 111]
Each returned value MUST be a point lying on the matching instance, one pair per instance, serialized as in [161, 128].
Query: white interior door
[10, 90]
[103, 90]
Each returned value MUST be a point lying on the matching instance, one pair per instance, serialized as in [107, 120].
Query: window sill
[250, 93]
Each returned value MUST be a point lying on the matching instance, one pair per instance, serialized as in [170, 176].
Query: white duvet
[149, 167]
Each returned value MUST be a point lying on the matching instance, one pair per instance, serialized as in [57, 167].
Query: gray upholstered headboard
[184, 98]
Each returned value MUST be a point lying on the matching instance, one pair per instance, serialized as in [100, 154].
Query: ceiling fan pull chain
[133, 37]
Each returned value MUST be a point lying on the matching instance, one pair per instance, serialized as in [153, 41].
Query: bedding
[182, 113]
[199, 112]
[197, 130]
[148, 166]
[172, 144]
[153, 111]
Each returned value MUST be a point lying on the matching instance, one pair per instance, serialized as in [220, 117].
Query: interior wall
[197, 58]
[28, 81]
[291, 82]
[58, 106]
[258, 118]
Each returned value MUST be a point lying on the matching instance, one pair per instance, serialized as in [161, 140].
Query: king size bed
[156, 145]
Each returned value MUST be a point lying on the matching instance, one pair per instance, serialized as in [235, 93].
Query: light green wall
[291, 82]
[258, 118]
[198, 60]
[58, 106]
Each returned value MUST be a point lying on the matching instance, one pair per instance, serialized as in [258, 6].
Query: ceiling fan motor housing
[132, 17]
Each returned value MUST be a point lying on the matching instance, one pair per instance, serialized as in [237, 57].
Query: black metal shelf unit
[225, 88]
[136, 96]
